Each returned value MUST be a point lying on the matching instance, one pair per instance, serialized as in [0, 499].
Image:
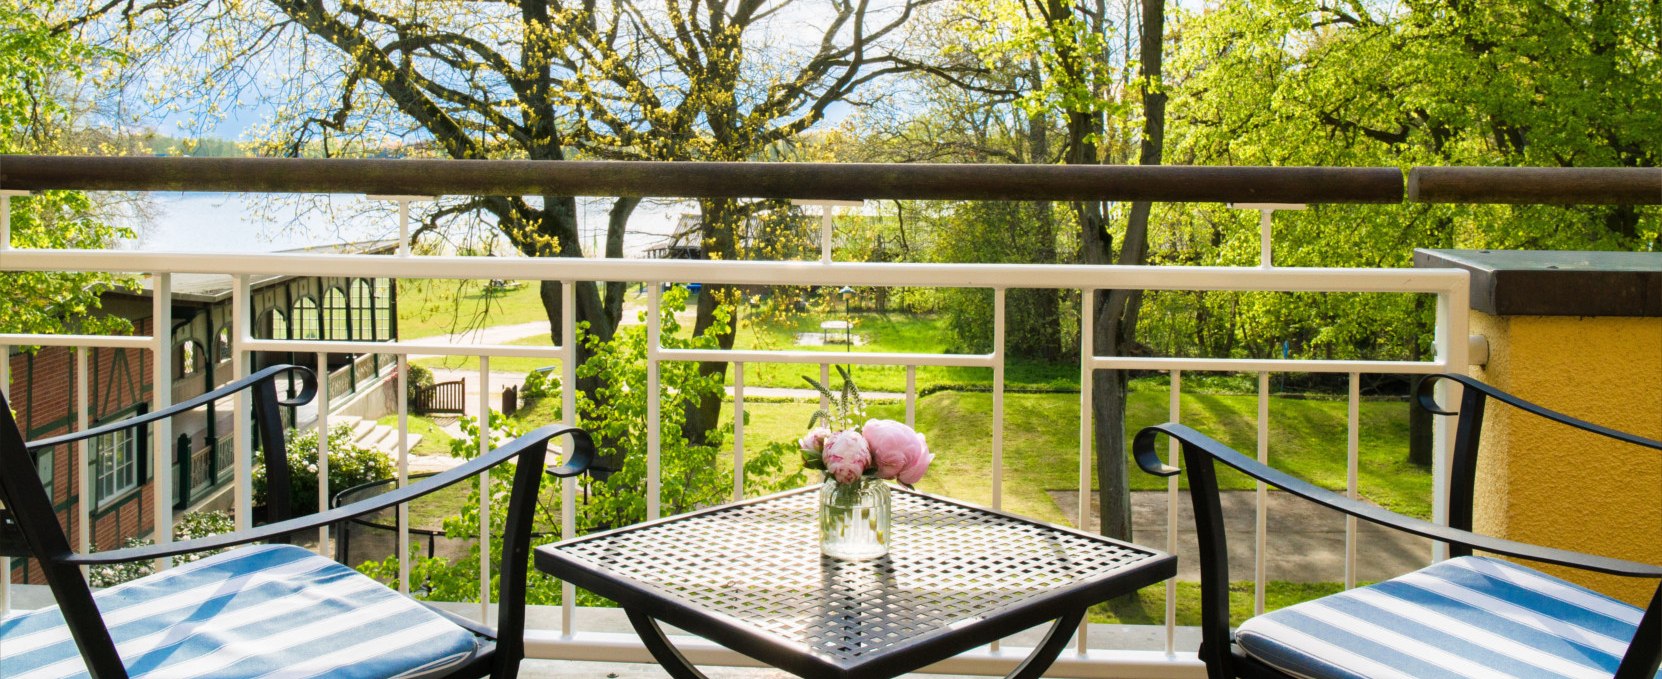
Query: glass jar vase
[854, 519]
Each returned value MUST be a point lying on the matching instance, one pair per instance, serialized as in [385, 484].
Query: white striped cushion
[268, 610]
[1465, 617]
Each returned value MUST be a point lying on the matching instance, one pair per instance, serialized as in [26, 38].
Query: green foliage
[1037, 326]
[40, 64]
[349, 465]
[1432, 82]
[420, 378]
[189, 527]
[844, 410]
[692, 475]
[539, 384]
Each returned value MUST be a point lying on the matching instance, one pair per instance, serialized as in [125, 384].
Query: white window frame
[115, 460]
[44, 469]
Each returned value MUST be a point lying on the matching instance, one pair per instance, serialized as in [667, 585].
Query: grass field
[434, 441]
[892, 333]
[1041, 443]
[1148, 605]
[429, 307]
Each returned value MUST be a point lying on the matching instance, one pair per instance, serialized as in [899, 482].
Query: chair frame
[32, 528]
[1224, 658]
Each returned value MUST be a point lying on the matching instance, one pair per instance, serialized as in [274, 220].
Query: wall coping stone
[1556, 283]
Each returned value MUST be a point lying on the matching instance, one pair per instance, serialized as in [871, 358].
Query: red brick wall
[42, 391]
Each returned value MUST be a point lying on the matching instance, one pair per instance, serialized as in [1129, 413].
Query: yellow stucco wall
[1546, 484]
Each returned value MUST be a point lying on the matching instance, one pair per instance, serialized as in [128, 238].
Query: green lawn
[433, 439]
[1148, 605]
[508, 364]
[1041, 443]
[429, 307]
[890, 333]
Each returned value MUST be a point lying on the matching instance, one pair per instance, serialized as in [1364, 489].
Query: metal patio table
[750, 576]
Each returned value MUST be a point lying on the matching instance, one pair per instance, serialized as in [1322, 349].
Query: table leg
[1045, 653]
[666, 654]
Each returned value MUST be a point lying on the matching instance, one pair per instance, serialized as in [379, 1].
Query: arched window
[335, 314]
[273, 324]
[305, 319]
[222, 344]
[188, 359]
[383, 310]
[363, 310]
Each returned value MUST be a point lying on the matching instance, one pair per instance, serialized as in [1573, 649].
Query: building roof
[212, 287]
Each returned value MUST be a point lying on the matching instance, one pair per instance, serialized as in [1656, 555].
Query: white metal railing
[570, 641]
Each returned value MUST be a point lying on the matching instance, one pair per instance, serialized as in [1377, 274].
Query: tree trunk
[1116, 320]
[723, 220]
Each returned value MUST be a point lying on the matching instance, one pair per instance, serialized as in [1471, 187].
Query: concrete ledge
[1537, 283]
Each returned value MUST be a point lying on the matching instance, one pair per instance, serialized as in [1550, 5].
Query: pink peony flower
[894, 446]
[846, 456]
[915, 469]
[814, 440]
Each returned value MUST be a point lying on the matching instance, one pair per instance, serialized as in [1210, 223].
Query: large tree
[534, 79]
[1429, 82]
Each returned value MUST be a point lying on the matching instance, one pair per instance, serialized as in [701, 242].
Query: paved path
[499, 334]
[1306, 542]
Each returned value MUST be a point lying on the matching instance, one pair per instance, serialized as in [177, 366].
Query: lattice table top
[756, 567]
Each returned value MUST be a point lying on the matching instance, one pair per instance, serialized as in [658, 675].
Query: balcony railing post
[568, 413]
[6, 196]
[1266, 212]
[998, 397]
[738, 431]
[484, 490]
[654, 299]
[323, 397]
[403, 217]
[161, 396]
[241, 427]
[1087, 362]
[6, 388]
[83, 416]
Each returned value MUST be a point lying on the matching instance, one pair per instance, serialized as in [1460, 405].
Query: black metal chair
[272, 609]
[1467, 616]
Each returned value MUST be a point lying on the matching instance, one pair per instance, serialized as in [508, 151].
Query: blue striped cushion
[1465, 617]
[269, 610]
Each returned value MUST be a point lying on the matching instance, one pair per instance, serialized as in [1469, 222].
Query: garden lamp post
[847, 294]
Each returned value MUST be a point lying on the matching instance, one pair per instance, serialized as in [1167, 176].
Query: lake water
[243, 223]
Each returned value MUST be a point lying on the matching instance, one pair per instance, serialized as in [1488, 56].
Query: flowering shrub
[189, 527]
[349, 465]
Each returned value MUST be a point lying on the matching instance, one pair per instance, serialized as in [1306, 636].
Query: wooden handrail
[1538, 185]
[840, 181]
[714, 180]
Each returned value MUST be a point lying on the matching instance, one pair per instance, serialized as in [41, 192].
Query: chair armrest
[578, 460]
[1423, 394]
[308, 390]
[1199, 448]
